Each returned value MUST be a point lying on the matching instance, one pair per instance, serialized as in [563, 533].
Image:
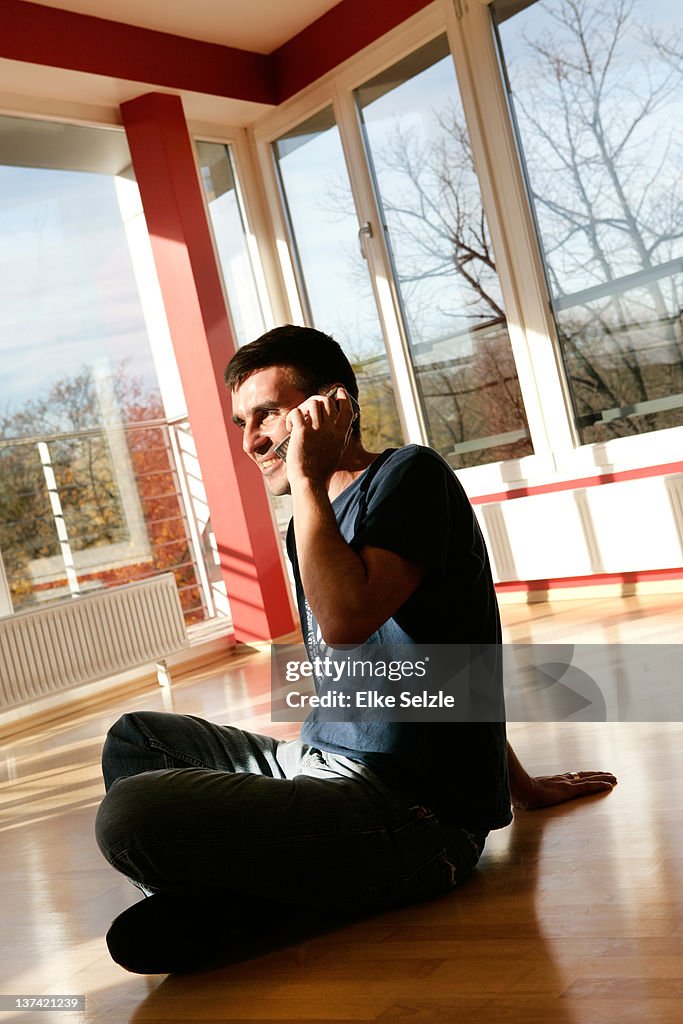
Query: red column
[164, 162]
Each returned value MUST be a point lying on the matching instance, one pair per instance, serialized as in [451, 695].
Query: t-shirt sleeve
[410, 508]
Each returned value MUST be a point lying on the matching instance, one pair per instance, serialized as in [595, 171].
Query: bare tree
[606, 183]
[435, 215]
[449, 286]
[593, 98]
[68, 420]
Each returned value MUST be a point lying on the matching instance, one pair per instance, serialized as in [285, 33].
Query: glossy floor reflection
[574, 916]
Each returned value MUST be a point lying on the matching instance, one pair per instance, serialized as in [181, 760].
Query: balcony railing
[98, 507]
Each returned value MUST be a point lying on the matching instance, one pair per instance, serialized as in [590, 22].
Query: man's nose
[248, 439]
[253, 441]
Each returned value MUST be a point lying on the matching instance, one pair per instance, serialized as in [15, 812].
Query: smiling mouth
[266, 464]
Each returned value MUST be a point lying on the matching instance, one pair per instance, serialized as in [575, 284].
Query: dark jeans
[192, 804]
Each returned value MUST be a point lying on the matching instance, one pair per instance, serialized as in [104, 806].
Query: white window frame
[251, 197]
[268, 276]
[116, 553]
[520, 263]
[336, 90]
[531, 327]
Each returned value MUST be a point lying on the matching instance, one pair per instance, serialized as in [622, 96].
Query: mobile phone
[280, 449]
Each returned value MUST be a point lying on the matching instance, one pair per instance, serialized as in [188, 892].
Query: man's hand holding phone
[320, 429]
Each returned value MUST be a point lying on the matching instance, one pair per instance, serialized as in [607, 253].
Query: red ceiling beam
[79, 42]
[333, 38]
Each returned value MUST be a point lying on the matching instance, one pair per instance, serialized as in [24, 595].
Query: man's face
[259, 408]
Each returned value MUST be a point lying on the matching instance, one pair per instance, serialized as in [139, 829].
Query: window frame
[255, 217]
[531, 327]
[337, 89]
[525, 282]
[137, 544]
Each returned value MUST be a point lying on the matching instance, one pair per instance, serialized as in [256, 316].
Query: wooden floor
[573, 917]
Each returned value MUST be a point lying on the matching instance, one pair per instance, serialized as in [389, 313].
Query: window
[444, 263]
[89, 495]
[231, 234]
[333, 277]
[596, 93]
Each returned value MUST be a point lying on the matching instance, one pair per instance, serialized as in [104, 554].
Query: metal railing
[97, 507]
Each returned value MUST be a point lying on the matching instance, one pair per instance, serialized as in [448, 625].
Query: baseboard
[534, 592]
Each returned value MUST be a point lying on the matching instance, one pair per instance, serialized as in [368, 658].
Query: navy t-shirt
[409, 501]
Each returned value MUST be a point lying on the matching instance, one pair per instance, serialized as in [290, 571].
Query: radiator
[82, 639]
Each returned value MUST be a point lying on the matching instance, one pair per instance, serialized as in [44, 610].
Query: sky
[325, 224]
[650, 167]
[68, 296]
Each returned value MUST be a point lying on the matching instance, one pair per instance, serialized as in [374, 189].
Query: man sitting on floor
[224, 828]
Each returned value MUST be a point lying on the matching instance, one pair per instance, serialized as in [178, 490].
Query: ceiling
[34, 89]
[258, 25]
[230, 61]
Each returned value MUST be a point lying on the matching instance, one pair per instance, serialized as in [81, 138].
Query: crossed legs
[208, 814]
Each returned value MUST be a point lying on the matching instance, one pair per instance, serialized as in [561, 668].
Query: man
[225, 828]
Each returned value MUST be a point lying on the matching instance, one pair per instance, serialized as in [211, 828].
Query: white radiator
[47, 649]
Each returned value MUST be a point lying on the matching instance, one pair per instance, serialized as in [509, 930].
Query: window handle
[364, 231]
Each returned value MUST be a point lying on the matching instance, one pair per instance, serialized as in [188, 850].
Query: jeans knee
[126, 751]
[130, 824]
[122, 815]
[124, 731]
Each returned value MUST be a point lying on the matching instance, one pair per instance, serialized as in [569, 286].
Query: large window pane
[89, 494]
[444, 264]
[230, 231]
[333, 276]
[597, 95]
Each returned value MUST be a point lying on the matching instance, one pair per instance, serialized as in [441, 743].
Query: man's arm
[531, 793]
[351, 593]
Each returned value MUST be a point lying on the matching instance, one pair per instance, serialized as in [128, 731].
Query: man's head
[271, 376]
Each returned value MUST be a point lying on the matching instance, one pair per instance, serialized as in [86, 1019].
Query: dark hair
[314, 360]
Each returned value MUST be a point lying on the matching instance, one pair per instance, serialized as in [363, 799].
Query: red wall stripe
[597, 579]
[643, 473]
[56, 38]
[334, 37]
